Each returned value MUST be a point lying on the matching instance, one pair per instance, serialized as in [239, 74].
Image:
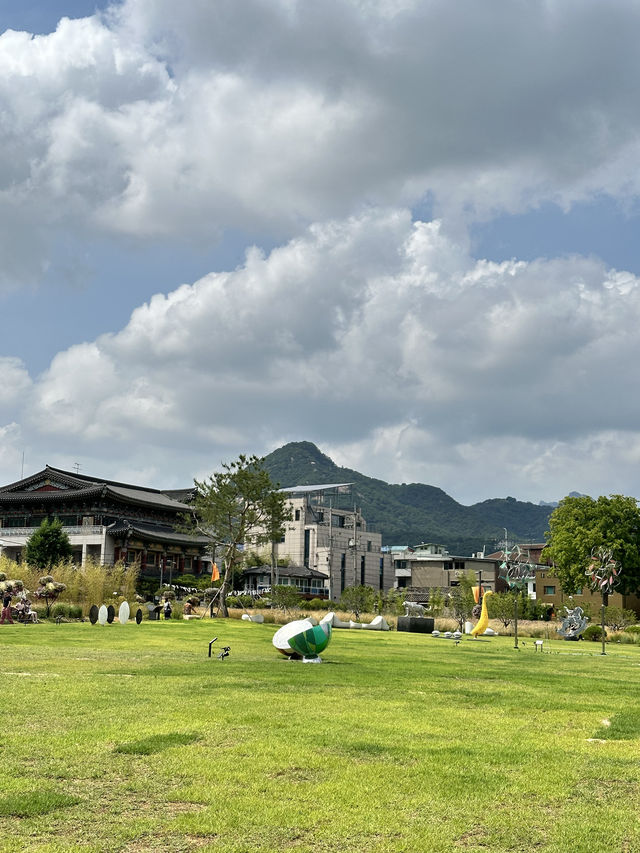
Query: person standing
[6, 609]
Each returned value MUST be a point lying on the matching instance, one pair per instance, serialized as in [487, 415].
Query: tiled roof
[286, 572]
[149, 531]
[81, 486]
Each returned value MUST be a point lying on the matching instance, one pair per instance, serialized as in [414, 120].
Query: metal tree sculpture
[517, 572]
[603, 573]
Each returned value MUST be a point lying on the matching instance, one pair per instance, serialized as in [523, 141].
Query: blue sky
[405, 232]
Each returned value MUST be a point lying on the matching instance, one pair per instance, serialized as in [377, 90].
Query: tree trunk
[224, 590]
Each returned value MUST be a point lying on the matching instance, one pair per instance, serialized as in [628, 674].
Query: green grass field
[129, 738]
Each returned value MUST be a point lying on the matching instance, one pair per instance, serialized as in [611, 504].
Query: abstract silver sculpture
[517, 572]
[573, 624]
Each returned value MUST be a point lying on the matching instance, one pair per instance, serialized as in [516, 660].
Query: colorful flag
[215, 574]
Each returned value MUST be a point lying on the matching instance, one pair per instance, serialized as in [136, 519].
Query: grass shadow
[33, 803]
[623, 726]
[156, 743]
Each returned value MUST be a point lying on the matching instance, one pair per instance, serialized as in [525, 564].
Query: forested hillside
[409, 514]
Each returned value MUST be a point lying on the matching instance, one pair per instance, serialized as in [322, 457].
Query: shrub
[618, 618]
[317, 604]
[75, 611]
[59, 609]
[593, 633]
[632, 629]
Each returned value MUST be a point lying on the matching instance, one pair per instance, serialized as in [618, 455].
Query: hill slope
[412, 513]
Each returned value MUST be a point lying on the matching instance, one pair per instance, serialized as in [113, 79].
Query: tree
[48, 545]
[580, 524]
[501, 606]
[461, 599]
[618, 618]
[49, 590]
[357, 600]
[285, 597]
[237, 506]
[436, 602]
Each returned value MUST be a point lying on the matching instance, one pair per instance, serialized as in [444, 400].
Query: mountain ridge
[411, 513]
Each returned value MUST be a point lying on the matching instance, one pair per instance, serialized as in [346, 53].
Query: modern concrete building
[429, 566]
[329, 535]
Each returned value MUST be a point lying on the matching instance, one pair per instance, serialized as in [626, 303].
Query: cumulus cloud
[384, 341]
[318, 128]
[161, 119]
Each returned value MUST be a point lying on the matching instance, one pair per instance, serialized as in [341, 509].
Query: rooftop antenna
[77, 466]
[22, 470]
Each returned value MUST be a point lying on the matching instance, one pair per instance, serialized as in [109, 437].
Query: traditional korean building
[105, 520]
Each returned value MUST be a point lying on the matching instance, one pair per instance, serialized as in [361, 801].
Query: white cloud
[162, 119]
[375, 333]
[317, 126]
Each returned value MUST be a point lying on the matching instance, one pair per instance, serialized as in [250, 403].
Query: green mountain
[409, 514]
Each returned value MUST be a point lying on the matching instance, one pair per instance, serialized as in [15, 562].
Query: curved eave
[117, 494]
[151, 535]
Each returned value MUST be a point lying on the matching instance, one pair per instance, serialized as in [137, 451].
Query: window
[458, 565]
[362, 567]
[368, 544]
[343, 571]
[297, 515]
[549, 590]
[337, 520]
[381, 579]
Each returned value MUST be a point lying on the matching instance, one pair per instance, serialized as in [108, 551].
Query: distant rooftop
[301, 490]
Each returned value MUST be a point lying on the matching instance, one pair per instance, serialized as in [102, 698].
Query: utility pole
[330, 566]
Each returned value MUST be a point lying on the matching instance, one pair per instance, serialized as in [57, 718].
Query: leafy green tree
[436, 602]
[357, 600]
[618, 618]
[579, 524]
[393, 602]
[285, 597]
[48, 545]
[234, 507]
[500, 606]
[461, 599]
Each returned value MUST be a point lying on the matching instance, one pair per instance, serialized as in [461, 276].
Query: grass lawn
[129, 738]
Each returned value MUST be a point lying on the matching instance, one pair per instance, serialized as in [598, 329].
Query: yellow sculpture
[483, 621]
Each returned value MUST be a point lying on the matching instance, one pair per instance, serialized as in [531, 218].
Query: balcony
[403, 573]
[22, 532]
